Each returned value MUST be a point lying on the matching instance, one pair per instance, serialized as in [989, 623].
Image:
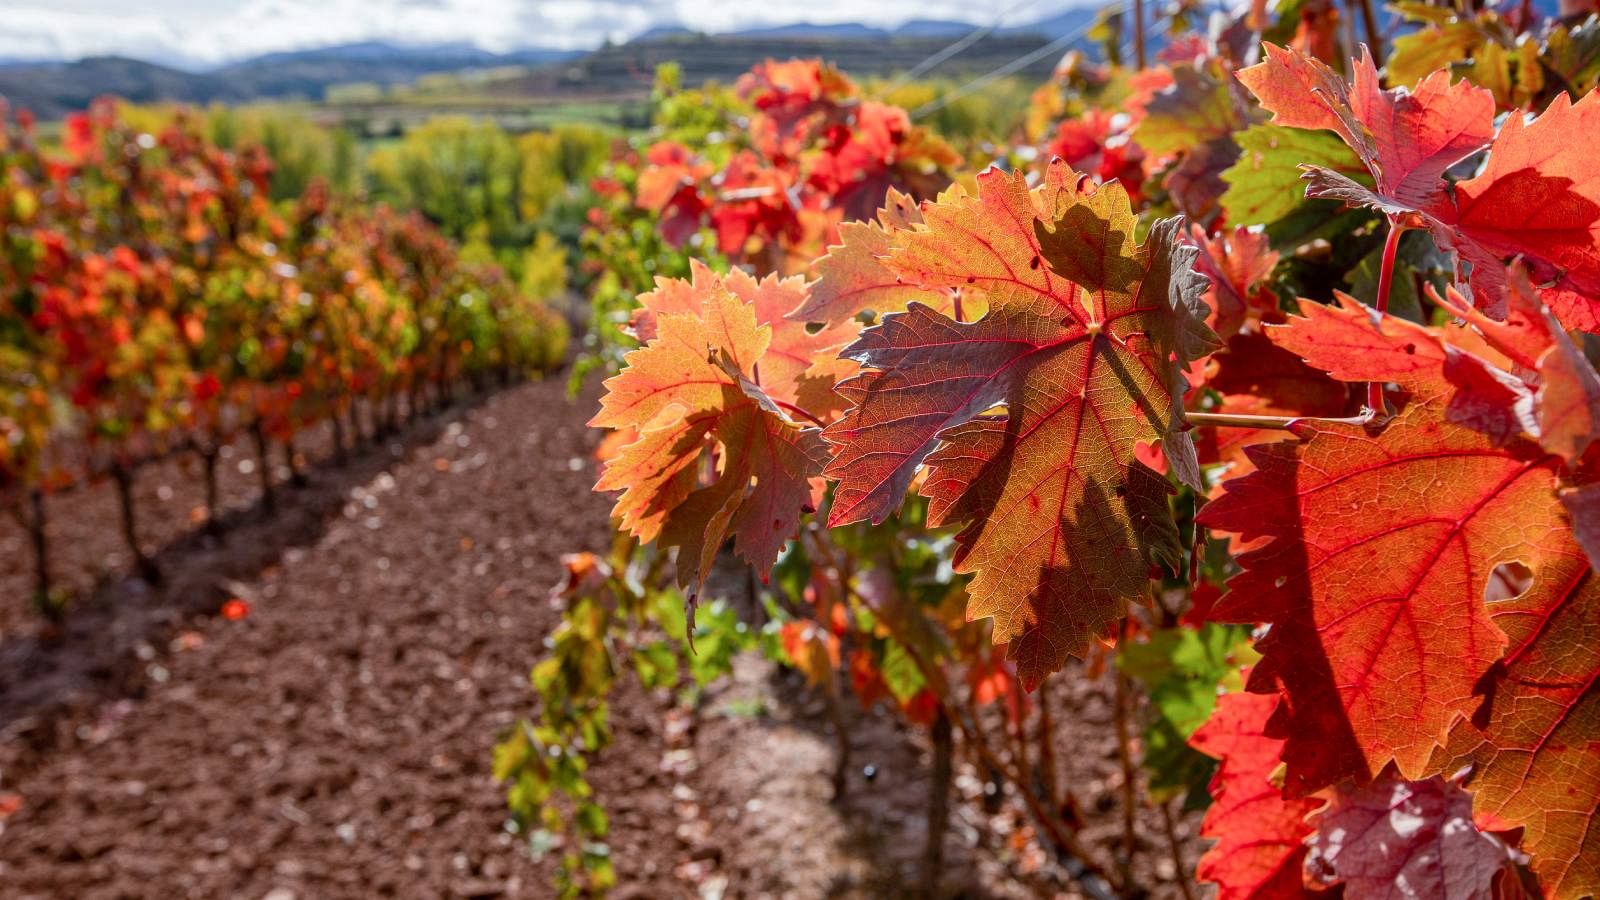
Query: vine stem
[1391, 246]
[1129, 773]
[1055, 830]
[1177, 852]
[1079, 859]
[938, 803]
[1047, 754]
[34, 522]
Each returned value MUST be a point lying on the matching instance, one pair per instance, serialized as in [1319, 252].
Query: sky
[201, 32]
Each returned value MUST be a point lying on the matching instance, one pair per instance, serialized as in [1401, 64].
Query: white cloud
[201, 32]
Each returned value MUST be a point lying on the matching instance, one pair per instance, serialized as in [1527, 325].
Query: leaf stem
[790, 407]
[1280, 423]
[1391, 246]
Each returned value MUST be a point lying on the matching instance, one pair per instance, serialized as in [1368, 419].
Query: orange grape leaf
[1534, 745]
[1393, 839]
[853, 276]
[812, 650]
[1083, 346]
[1259, 832]
[794, 351]
[1370, 555]
[715, 455]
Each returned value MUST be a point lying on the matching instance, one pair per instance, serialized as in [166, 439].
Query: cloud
[197, 32]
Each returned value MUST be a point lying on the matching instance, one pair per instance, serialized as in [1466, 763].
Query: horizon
[194, 35]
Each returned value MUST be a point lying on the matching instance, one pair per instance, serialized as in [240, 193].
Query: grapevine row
[154, 300]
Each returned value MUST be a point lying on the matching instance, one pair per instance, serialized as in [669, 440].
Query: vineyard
[156, 303]
[1187, 490]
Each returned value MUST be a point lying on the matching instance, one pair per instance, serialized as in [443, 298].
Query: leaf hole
[1508, 581]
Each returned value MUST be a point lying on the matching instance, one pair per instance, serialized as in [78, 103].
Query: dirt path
[336, 741]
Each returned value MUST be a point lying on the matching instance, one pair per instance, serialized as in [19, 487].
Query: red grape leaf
[1237, 263]
[714, 456]
[753, 202]
[1534, 745]
[1537, 197]
[1406, 138]
[1259, 832]
[1353, 342]
[1393, 839]
[670, 187]
[1370, 554]
[878, 151]
[1083, 346]
[1559, 397]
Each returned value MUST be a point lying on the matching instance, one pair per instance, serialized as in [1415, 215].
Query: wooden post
[35, 522]
[122, 477]
[1369, 20]
[340, 457]
[1138, 34]
[208, 465]
[296, 476]
[938, 804]
[269, 500]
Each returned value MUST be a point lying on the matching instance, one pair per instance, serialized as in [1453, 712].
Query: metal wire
[1009, 68]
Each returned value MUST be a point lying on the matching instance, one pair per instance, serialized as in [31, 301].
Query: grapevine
[1265, 384]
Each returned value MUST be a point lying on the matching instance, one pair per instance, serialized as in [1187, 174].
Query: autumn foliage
[154, 300]
[1298, 384]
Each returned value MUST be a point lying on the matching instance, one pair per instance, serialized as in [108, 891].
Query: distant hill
[628, 67]
[308, 73]
[1073, 21]
[933, 28]
[843, 31]
[1050, 28]
[52, 89]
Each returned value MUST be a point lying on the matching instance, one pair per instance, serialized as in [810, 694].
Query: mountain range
[52, 88]
[1048, 28]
